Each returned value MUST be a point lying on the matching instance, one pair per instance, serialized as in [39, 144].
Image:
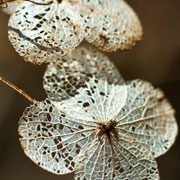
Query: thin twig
[38, 3]
[20, 91]
[4, 2]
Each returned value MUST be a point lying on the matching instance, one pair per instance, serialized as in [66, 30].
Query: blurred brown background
[156, 58]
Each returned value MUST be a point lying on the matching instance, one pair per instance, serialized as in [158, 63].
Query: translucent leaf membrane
[40, 33]
[105, 131]
[53, 139]
[118, 159]
[96, 99]
[64, 76]
[110, 24]
[55, 134]
[11, 7]
[148, 117]
[145, 124]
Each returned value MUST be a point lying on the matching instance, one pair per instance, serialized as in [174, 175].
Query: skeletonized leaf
[148, 117]
[103, 128]
[55, 134]
[40, 33]
[145, 124]
[51, 138]
[120, 158]
[64, 76]
[97, 99]
[110, 24]
[103, 132]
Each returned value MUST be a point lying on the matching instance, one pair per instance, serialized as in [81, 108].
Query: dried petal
[117, 159]
[104, 131]
[41, 33]
[148, 117]
[110, 24]
[64, 76]
[54, 134]
[51, 138]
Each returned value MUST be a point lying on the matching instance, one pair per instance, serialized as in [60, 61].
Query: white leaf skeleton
[39, 33]
[95, 125]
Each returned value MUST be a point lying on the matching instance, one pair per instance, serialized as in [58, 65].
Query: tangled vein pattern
[66, 75]
[101, 128]
[40, 33]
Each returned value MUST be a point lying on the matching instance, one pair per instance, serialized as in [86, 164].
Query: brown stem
[17, 89]
[38, 3]
[34, 2]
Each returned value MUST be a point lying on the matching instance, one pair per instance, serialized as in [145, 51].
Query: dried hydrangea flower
[40, 33]
[100, 130]
[80, 71]
[143, 129]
